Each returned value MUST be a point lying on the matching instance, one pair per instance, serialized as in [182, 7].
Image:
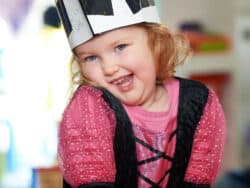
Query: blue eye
[90, 58]
[120, 47]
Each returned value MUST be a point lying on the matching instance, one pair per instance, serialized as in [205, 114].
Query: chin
[130, 103]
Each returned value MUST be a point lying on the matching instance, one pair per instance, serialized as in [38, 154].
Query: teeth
[119, 81]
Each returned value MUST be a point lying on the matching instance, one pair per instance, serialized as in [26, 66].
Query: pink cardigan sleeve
[85, 139]
[208, 144]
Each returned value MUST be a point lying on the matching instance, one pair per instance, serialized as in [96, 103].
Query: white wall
[215, 14]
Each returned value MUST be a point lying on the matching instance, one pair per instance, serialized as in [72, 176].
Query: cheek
[144, 64]
[141, 58]
[147, 69]
[134, 61]
[92, 72]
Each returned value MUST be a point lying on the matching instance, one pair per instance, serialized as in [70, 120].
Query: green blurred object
[5, 157]
[212, 46]
[2, 164]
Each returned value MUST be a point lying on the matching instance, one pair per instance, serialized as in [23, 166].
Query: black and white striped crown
[83, 19]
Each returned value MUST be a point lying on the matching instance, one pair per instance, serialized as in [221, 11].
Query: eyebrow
[82, 55]
[83, 52]
[121, 40]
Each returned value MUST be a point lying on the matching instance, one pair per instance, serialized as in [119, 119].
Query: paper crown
[83, 19]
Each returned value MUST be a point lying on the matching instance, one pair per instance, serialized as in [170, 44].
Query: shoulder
[85, 93]
[86, 108]
[196, 90]
[192, 85]
[187, 89]
[193, 95]
[86, 99]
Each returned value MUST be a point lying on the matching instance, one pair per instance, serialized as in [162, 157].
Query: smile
[124, 83]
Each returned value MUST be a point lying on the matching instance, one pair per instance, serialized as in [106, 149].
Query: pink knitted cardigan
[86, 132]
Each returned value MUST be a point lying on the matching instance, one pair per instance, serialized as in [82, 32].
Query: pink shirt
[85, 150]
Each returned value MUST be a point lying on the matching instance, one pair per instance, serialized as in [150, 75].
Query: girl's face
[121, 62]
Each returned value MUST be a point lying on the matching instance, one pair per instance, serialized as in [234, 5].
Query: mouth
[123, 83]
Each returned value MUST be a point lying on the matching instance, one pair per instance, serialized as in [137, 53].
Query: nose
[110, 66]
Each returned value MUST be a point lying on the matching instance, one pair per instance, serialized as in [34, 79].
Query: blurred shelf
[207, 63]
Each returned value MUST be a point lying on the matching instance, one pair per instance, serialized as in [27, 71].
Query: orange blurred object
[202, 43]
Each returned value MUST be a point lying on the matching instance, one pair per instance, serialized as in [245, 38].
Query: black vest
[192, 100]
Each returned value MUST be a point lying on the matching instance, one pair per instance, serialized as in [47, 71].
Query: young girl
[131, 123]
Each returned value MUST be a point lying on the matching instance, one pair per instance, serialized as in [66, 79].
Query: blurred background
[34, 81]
